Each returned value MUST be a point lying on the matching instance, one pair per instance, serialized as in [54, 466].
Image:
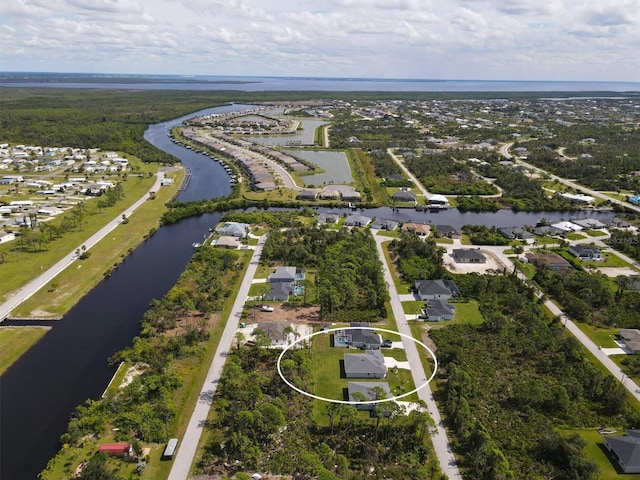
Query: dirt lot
[287, 313]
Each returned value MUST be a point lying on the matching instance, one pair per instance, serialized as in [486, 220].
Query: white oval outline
[349, 402]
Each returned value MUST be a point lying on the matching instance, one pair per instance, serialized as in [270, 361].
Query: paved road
[404, 168]
[189, 444]
[504, 151]
[439, 438]
[44, 278]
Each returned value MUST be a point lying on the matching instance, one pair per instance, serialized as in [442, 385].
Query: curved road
[40, 281]
[439, 438]
[189, 444]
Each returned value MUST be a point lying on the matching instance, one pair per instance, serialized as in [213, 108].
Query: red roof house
[121, 449]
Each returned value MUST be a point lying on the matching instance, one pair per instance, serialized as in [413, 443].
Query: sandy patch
[133, 372]
[492, 263]
[616, 271]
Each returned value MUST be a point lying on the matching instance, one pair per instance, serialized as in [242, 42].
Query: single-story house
[631, 339]
[384, 224]
[618, 223]
[578, 197]
[365, 365]
[625, 450]
[283, 274]
[226, 241]
[328, 218]
[367, 391]
[280, 291]
[351, 196]
[437, 200]
[516, 233]
[551, 260]
[589, 223]
[420, 229]
[234, 229]
[585, 252]
[275, 332]
[468, 255]
[356, 337]
[567, 227]
[357, 221]
[438, 310]
[404, 196]
[436, 289]
[120, 449]
[548, 230]
[448, 231]
[307, 195]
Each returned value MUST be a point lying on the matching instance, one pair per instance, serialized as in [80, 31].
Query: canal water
[69, 365]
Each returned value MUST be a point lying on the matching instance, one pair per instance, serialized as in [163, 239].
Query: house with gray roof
[307, 195]
[328, 218]
[585, 252]
[357, 337]
[516, 233]
[548, 230]
[384, 224]
[280, 291]
[365, 365]
[367, 391]
[468, 255]
[436, 289]
[438, 311]
[357, 221]
[448, 231]
[234, 229]
[404, 196]
[275, 332]
[283, 274]
[631, 339]
[625, 450]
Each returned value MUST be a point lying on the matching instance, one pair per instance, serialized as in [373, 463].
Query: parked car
[387, 344]
[267, 308]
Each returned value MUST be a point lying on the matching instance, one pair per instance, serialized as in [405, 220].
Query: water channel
[69, 365]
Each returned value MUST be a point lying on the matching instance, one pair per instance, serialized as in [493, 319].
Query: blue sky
[580, 40]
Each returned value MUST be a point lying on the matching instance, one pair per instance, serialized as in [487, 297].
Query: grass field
[14, 341]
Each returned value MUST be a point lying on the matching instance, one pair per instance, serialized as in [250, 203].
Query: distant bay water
[266, 84]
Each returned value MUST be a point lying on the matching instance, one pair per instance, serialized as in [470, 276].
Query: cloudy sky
[591, 40]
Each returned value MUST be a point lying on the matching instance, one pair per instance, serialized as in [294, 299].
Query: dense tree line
[588, 297]
[523, 193]
[482, 235]
[417, 258]
[474, 203]
[250, 431]
[506, 385]
[350, 285]
[440, 173]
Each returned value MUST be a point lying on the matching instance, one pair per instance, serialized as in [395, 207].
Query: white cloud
[519, 39]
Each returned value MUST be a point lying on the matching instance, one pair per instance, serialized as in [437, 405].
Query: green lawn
[413, 307]
[468, 312]
[595, 451]
[14, 341]
[610, 260]
[526, 268]
[574, 236]
[596, 233]
[444, 240]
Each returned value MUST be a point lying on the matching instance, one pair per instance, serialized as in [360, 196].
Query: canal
[69, 365]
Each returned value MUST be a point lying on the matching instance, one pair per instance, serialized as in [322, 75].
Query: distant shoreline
[271, 83]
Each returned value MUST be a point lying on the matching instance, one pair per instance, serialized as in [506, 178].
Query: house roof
[233, 228]
[419, 228]
[307, 194]
[274, 330]
[227, 241]
[627, 448]
[515, 232]
[447, 229]
[631, 338]
[584, 250]
[370, 362]
[328, 218]
[404, 196]
[280, 290]
[436, 287]
[384, 223]
[118, 447]
[367, 389]
[368, 337]
[550, 258]
[469, 253]
[439, 308]
[283, 274]
[360, 220]
[437, 199]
